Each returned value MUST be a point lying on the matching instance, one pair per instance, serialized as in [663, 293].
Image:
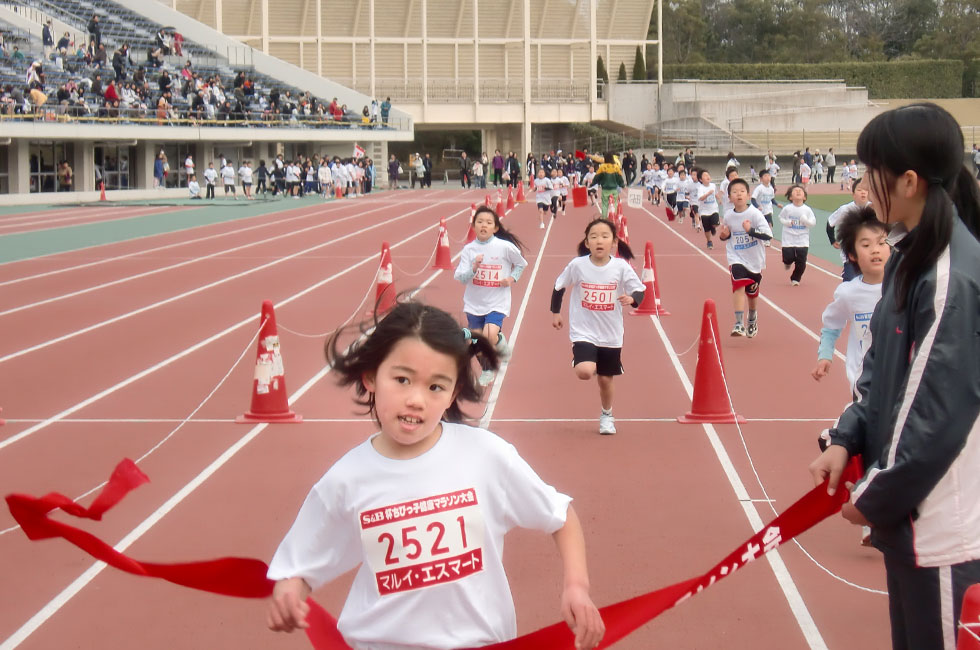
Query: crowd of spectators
[100, 84]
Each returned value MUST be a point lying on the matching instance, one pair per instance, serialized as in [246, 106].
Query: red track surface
[654, 499]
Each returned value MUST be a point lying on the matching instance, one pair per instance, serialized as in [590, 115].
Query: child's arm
[834, 319]
[785, 220]
[759, 228]
[464, 270]
[808, 219]
[577, 607]
[287, 607]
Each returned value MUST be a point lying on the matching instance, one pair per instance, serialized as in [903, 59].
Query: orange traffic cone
[623, 234]
[384, 298]
[651, 295]
[269, 403]
[472, 212]
[711, 401]
[510, 199]
[2, 421]
[102, 191]
[470, 234]
[500, 206]
[488, 201]
[444, 258]
[520, 192]
[611, 208]
[619, 209]
[968, 637]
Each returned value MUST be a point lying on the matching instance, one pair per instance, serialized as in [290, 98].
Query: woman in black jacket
[917, 422]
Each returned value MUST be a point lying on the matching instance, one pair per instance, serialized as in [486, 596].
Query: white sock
[607, 411]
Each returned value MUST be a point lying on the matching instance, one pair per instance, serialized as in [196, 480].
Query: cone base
[711, 418]
[272, 418]
[442, 267]
[655, 311]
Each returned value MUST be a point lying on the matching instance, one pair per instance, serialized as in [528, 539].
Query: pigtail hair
[624, 250]
[480, 348]
[966, 198]
[506, 235]
[928, 240]
[582, 248]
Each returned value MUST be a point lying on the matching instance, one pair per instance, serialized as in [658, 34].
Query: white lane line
[792, 594]
[205, 287]
[809, 332]
[318, 211]
[499, 381]
[194, 260]
[166, 362]
[86, 219]
[59, 601]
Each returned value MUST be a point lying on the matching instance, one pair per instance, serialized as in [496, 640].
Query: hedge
[924, 78]
[971, 78]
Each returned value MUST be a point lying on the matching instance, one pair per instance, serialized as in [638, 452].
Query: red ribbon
[246, 577]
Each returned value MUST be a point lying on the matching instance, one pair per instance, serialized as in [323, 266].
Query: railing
[493, 90]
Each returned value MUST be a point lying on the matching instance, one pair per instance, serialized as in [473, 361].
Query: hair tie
[468, 336]
[935, 180]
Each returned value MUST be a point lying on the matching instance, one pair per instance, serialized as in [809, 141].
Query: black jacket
[917, 422]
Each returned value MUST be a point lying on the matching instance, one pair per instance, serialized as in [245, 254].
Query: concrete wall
[632, 104]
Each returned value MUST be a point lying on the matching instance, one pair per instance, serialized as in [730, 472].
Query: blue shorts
[682, 205]
[476, 323]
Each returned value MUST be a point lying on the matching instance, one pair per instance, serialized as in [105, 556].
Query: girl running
[601, 286]
[915, 425]
[683, 190]
[488, 266]
[707, 206]
[431, 575]
[543, 188]
[797, 219]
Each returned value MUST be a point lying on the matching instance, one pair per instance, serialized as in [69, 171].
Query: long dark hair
[410, 319]
[923, 138]
[502, 233]
[622, 247]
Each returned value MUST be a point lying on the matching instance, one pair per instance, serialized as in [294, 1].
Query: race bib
[424, 542]
[862, 321]
[598, 297]
[488, 275]
[742, 240]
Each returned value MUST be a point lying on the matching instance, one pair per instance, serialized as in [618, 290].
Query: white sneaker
[541, 225]
[607, 424]
[795, 283]
[486, 377]
[503, 348]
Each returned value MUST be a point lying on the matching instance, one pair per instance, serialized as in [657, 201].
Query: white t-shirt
[428, 535]
[194, 188]
[726, 204]
[763, 195]
[484, 293]
[708, 205]
[804, 170]
[594, 312]
[562, 184]
[647, 177]
[854, 302]
[671, 183]
[742, 248]
[686, 191]
[324, 174]
[659, 177]
[210, 175]
[292, 173]
[544, 190]
[797, 222]
[245, 173]
[228, 175]
[340, 175]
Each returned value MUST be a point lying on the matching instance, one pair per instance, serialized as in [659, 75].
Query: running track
[106, 350]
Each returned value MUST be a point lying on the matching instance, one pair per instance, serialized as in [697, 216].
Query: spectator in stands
[47, 39]
[239, 79]
[162, 41]
[3, 45]
[120, 58]
[385, 110]
[96, 85]
[155, 57]
[17, 56]
[35, 75]
[111, 97]
[101, 58]
[165, 82]
[375, 111]
[95, 30]
[7, 103]
[64, 44]
[163, 111]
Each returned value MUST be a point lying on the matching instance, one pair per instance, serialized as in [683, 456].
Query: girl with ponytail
[916, 423]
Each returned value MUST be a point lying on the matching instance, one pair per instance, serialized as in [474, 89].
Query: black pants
[260, 186]
[497, 175]
[210, 192]
[464, 179]
[915, 598]
[796, 255]
[830, 173]
[427, 178]
[630, 176]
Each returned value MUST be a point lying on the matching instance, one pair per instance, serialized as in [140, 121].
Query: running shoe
[711, 245]
[752, 329]
[607, 424]
[503, 348]
[795, 283]
[738, 330]
[486, 377]
[541, 225]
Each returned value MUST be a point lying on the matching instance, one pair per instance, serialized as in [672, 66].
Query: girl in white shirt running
[488, 266]
[421, 507]
[797, 219]
[601, 286]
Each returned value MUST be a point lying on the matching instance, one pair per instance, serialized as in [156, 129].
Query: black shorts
[742, 277]
[608, 361]
[672, 199]
[694, 207]
[710, 223]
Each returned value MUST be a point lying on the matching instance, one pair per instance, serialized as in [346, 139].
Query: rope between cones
[765, 493]
[324, 335]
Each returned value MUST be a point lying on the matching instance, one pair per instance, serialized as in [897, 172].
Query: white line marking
[188, 262]
[790, 591]
[205, 287]
[779, 310]
[143, 373]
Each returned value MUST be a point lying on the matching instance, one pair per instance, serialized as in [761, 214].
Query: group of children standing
[346, 178]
